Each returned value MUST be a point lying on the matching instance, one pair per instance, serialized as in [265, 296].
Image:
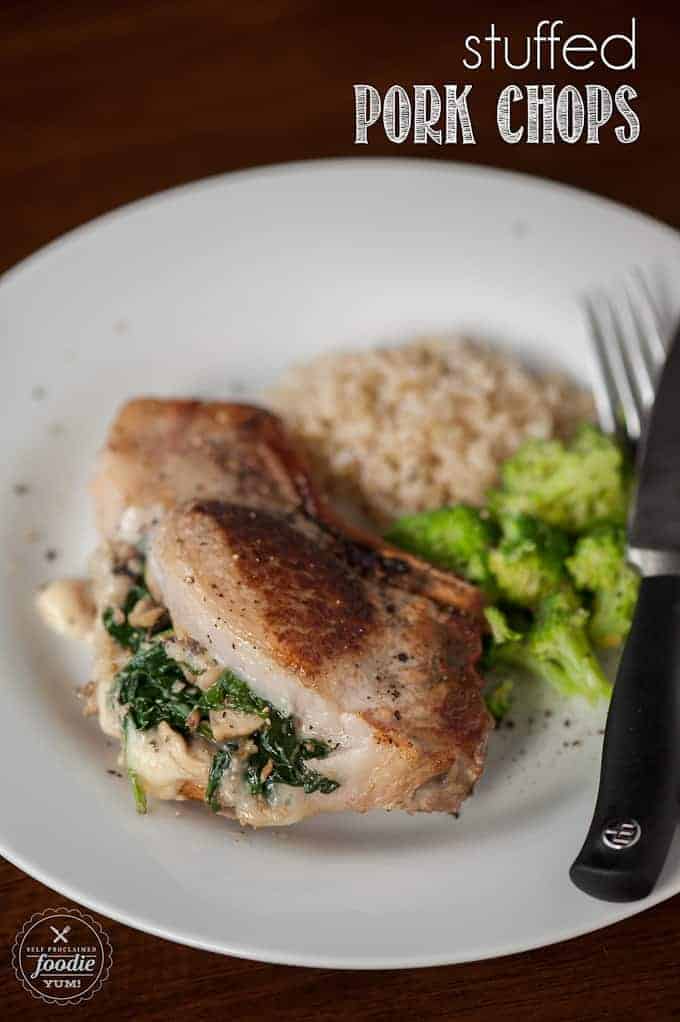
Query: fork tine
[606, 400]
[648, 366]
[645, 303]
[616, 372]
[640, 380]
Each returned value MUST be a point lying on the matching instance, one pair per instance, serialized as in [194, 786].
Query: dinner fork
[629, 347]
[638, 397]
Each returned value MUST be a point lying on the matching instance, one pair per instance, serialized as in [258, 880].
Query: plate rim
[374, 164]
[364, 964]
[287, 167]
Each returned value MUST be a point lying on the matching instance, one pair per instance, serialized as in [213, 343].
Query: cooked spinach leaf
[220, 763]
[153, 687]
[137, 791]
[135, 783]
[312, 748]
[122, 631]
[229, 690]
[281, 753]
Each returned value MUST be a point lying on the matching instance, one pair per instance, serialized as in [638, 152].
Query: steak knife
[637, 803]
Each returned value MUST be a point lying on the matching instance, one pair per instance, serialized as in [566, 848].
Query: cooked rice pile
[397, 430]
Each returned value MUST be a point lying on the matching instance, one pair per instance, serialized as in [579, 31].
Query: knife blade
[655, 520]
[637, 802]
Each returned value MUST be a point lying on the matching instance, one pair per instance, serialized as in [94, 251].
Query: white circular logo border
[98, 932]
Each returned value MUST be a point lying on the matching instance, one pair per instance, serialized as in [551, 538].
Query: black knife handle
[637, 802]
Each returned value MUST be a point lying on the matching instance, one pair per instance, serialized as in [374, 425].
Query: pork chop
[162, 453]
[259, 654]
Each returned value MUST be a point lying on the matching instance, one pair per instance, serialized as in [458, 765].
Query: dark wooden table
[106, 101]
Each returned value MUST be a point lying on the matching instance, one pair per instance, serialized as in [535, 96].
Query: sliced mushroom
[66, 605]
[146, 613]
[228, 724]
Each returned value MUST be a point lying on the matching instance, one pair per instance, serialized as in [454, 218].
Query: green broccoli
[529, 562]
[456, 538]
[499, 626]
[598, 565]
[555, 523]
[499, 696]
[556, 648]
[572, 487]
[498, 699]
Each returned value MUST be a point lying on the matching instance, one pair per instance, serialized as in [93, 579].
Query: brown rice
[398, 430]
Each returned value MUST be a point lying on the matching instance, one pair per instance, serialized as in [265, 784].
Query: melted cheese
[163, 760]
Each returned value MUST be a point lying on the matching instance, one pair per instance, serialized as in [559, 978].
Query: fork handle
[637, 802]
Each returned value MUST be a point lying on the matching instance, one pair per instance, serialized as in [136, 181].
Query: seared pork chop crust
[162, 453]
[279, 589]
[311, 605]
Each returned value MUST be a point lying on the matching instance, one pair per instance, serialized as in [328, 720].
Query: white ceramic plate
[211, 290]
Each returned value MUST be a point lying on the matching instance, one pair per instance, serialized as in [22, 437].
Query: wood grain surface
[106, 101]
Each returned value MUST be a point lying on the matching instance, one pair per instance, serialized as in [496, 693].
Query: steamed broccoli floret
[499, 627]
[599, 566]
[456, 538]
[572, 487]
[529, 562]
[500, 630]
[556, 648]
[499, 699]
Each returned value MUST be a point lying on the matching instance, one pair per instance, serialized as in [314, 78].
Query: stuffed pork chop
[253, 652]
